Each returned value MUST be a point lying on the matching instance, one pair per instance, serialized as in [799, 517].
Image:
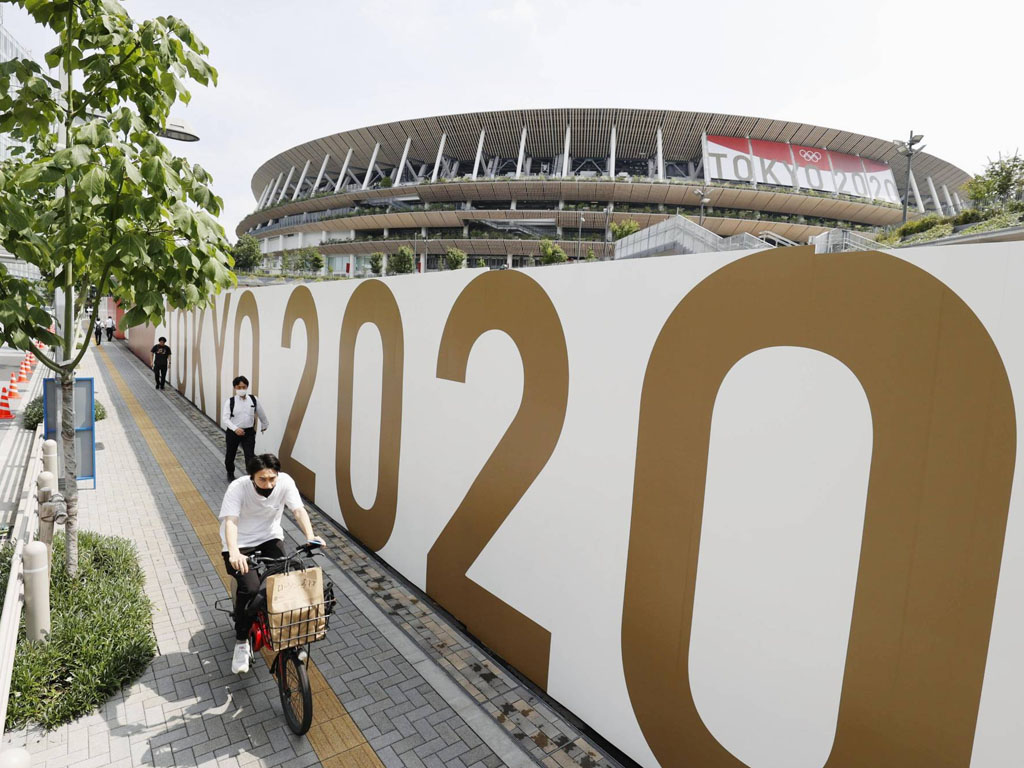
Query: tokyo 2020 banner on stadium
[730, 158]
[731, 509]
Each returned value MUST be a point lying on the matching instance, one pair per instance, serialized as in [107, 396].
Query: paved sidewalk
[395, 683]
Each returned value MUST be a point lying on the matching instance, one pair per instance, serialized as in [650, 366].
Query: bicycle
[290, 632]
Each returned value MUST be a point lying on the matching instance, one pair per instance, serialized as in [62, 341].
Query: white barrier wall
[733, 509]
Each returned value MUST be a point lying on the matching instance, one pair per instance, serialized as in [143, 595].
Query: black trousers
[249, 584]
[98, 333]
[248, 443]
[110, 334]
[160, 374]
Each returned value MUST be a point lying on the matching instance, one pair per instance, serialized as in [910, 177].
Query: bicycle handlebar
[309, 549]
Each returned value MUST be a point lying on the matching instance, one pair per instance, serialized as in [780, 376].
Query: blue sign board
[85, 422]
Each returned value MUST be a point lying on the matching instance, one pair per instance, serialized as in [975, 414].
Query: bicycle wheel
[296, 695]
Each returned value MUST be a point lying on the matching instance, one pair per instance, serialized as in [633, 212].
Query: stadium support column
[660, 160]
[936, 203]
[949, 200]
[287, 181]
[440, 154]
[917, 192]
[522, 153]
[320, 176]
[401, 163]
[263, 195]
[373, 162]
[270, 197]
[959, 205]
[344, 170]
[302, 178]
[479, 154]
[611, 155]
[565, 152]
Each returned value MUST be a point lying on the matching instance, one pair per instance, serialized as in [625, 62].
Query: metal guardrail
[842, 241]
[26, 524]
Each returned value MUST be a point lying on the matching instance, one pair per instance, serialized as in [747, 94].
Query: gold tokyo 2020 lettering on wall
[516, 304]
[220, 333]
[198, 380]
[247, 308]
[181, 331]
[372, 302]
[944, 434]
[301, 306]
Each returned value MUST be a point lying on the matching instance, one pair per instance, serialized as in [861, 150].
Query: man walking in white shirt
[239, 416]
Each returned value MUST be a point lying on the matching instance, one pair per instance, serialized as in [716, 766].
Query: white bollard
[15, 757]
[50, 457]
[46, 486]
[37, 591]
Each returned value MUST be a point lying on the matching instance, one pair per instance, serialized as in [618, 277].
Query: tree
[1001, 182]
[302, 260]
[621, 229]
[314, 262]
[402, 262]
[376, 262]
[93, 198]
[590, 255]
[454, 258]
[480, 263]
[246, 253]
[551, 253]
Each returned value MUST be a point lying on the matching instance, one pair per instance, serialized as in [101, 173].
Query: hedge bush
[32, 415]
[101, 636]
[6, 553]
[918, 225]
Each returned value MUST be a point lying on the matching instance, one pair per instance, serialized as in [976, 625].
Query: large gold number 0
[247, 307]
[938, 497]
[301, 306]
[513, 303]
[371, 302]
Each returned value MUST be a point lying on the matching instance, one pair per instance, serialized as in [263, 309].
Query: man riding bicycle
[250, 517]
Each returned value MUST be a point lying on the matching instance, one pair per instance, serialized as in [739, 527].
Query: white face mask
[241, 392]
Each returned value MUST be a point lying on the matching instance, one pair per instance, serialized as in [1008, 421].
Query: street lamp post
[579, 236]
[908, 149]
[704, 200]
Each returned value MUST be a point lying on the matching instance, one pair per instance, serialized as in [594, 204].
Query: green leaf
[94, 181]
[153, 171]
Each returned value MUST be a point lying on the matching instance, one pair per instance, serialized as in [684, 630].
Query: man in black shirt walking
[160, 354]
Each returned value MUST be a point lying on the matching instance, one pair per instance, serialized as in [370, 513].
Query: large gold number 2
[938, 497]
[371, 302]
[516, 304]
[301, 306]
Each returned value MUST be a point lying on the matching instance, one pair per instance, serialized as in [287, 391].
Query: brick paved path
[400, 685]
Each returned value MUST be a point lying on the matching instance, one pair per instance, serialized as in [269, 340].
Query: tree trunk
[67, 434]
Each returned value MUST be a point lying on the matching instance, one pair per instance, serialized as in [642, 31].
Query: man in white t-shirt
[250, 517]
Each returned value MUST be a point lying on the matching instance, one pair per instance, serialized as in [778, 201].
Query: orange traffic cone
[5, 406]
[22, 373]
[13, 391]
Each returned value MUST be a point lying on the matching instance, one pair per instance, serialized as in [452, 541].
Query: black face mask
[264, 492]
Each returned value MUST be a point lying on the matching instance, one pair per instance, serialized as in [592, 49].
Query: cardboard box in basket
[295, 607]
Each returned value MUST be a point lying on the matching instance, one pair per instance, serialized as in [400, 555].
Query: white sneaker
[240, 659]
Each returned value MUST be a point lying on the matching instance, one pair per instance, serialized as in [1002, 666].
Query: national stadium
[493, 184]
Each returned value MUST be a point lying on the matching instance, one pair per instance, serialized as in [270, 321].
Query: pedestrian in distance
[98, 333]
[110, 328]
[159, 356]
[239, 415]
[250, 516]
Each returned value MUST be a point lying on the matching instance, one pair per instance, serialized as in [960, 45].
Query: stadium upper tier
[488, 181]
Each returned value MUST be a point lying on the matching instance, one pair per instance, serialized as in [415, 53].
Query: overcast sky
[291, 72]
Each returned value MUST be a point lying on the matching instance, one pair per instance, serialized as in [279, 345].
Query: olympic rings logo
[810, 155]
